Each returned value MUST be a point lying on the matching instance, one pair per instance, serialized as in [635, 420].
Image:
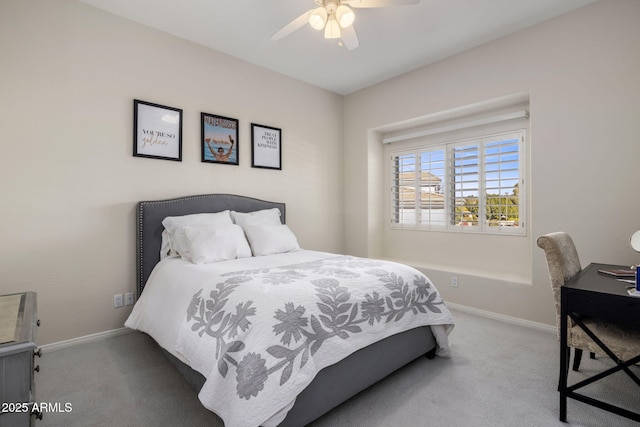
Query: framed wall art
[219, 139]
[266, 147]
[157, 131]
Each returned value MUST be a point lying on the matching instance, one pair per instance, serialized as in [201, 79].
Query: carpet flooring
[499, 375]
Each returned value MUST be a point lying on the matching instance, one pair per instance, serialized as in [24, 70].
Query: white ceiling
[393, 40]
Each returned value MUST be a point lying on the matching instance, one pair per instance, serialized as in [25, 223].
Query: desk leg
[564, 357]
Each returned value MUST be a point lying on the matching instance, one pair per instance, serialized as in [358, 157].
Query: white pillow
[165, 246]
[212, 244]
[265, 216]
[175, 228]
[268, 239]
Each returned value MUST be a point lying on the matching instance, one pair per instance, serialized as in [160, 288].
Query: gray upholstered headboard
[151, 213]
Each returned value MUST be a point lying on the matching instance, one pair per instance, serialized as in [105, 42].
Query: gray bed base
[334, 384]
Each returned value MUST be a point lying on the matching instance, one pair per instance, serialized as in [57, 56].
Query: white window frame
[504, 227]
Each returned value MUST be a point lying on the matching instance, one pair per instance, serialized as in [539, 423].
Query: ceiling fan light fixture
[318, 18]
[345, 16]
[332, 30]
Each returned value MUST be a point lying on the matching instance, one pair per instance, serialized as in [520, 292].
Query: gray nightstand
[18, 312]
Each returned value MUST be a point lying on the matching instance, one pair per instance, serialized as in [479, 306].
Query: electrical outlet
[454, 281]
[117, 300]
[128, 298]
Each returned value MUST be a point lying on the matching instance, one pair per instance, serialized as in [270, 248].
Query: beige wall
[69, 184]
[68, 180]
[581, 73]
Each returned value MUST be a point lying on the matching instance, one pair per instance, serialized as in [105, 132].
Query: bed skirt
[337, 383]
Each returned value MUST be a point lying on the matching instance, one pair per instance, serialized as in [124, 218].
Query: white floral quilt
[261, 335]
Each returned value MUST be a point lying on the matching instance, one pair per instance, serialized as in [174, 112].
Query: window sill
[410, 227]
[450, 269]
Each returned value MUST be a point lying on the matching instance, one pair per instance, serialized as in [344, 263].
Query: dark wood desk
[603, 297]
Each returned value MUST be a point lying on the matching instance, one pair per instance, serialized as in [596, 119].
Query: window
[473, 185]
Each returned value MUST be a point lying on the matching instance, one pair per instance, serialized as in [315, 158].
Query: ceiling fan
[336, 18]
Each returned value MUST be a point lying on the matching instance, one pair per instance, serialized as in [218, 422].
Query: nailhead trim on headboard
[140, 262]
[228, 201]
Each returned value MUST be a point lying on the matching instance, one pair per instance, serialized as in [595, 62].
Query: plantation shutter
[502, 178]
[404, 188]
[432, 198]
[466, 185]
[470, 185]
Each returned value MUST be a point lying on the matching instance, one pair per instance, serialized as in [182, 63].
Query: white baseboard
[504, 318]
[85, 339]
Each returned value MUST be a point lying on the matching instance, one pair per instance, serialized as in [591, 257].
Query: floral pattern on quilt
[301, 329]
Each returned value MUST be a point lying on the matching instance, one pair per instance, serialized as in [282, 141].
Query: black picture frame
[266, 147]
[219, 139]
[157, 131]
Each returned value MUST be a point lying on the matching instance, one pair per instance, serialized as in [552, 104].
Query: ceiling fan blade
[350, 38]
[292, 26]
[378, 3]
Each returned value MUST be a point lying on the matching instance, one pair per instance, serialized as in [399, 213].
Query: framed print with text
[157, 131]
[266, 147]
[219, 139]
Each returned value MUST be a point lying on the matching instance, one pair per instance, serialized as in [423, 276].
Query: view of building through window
[472, 184]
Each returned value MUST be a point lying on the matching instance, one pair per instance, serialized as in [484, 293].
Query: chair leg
[577, 356]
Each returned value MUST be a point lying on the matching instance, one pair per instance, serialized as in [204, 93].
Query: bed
[183, 301]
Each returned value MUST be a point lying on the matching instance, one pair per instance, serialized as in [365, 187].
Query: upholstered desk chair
[564, 264]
